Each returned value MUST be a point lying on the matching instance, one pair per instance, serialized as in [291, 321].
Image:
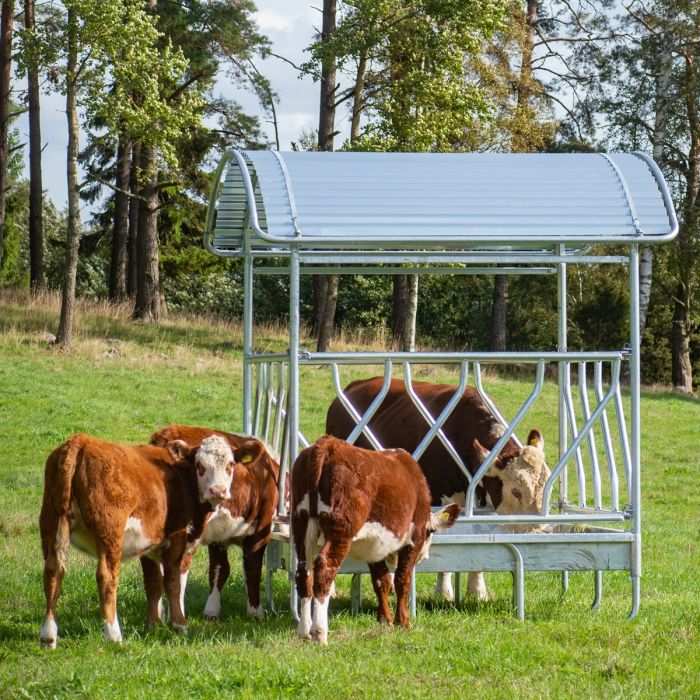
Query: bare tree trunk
[661, 107]
[65, 328]
[36, 187]
[134, 209]
[681, 368]
[320, 291]
[7, 21]
[409, 334]
[398, 311]
[499, 313]
[120, 233]
[148, 306]
[326, 293]
[357, 98]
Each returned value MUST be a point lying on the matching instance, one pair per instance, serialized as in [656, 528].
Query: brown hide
[254, 497]
[336, 490]
[397, 423]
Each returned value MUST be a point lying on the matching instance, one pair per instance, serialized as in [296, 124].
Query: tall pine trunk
[134, 210]
[120, 232]
[399, 305]
[65, 328]
[7, 21]
[36, 187]
[147, 307]
[326, 291]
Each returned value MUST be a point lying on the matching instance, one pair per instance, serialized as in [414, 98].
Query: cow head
[213, 462]
[439, 521]
[522, 472]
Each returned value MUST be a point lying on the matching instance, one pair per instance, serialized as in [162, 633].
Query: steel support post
[247, 338]
[635, 419]
[564, 377]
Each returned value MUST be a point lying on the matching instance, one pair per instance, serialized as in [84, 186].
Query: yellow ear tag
[445, 515]
[246, 458]
[534, 442]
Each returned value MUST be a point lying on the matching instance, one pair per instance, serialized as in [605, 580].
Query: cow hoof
[303, 633]
[180, 629]
[320, 636]
[258, 612]
[48, 637]
[48, 642]
[211, 617]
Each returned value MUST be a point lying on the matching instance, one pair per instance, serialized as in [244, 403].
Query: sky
[290, 26]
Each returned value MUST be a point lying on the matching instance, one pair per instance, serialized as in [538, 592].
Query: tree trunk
[36, 187]
[134, 209]
[120, 233]
[357, 98]
[320, 291]
[326, 330]
[65, 328]
[499, 313]
[661, 108]
[148, 308]
[398, 311]
[681, 368]
[7, 21]
[409, 333]
[326, 292]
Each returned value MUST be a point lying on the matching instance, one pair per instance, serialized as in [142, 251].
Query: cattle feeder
[297, 213]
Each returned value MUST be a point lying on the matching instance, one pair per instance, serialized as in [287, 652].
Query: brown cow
[373, 506]
[116, 502]
[245, 519]
[514, 483]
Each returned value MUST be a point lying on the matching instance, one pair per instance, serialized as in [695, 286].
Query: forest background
[145, 126]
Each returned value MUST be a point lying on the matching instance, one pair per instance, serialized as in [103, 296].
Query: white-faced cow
[515, 481]
[372, 506]
[244, 519]
[116, 502]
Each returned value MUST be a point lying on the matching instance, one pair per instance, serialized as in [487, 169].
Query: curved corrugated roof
[438, 200]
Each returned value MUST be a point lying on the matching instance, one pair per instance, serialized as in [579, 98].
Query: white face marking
[223, 528]
[319, 626]
[497, 431]
[111, 631]
[135, 541]
[304, 626]
[523, 482]
[49, 633]
[477, 586]
[214, 457]
[256, 612]
[303, 505]
[443, 586]
[375, 542]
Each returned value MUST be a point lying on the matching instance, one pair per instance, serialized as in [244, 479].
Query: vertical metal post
[562, 346]
[635, 415]
[293, 400]
[247, 336]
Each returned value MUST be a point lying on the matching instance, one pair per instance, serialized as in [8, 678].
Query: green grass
[191, 372]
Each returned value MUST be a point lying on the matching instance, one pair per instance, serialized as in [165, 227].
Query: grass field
[190, 372]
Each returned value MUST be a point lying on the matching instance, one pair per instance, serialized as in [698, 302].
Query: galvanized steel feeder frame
[529, 214]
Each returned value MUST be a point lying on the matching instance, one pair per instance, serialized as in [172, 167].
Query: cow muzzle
[216, 494]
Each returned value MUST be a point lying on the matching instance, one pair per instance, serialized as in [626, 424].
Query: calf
[244, 519]
[116, 502]
[374, 506]
[514, 483]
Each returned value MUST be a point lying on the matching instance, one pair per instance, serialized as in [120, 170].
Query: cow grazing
[372, 506]
[514, 483]
[244, 519]
[116, 502]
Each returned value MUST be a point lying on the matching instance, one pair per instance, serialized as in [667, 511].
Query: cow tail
[316, 463]
[67, 460]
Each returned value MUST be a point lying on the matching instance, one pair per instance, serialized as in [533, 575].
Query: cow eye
[229, 468]
[200, 470]
[518, 494]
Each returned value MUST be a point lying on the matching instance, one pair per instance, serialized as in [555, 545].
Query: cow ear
[445, 518]
[179, 450]
[481, 454]
[248, 452]
[534, 439]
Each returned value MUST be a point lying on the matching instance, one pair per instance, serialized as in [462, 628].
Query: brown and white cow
[244, 519]
[515, 481]
[372, 506]
[116, 502]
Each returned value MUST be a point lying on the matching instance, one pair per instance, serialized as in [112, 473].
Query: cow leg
[172, 560]
[476, 585]
[326, 567]
[252, 567]
[108, 566]
[402, 581]
[153, 583]
[54, 569]
[443, 586]
[219, 570]
[302, 578]
[382, 583]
